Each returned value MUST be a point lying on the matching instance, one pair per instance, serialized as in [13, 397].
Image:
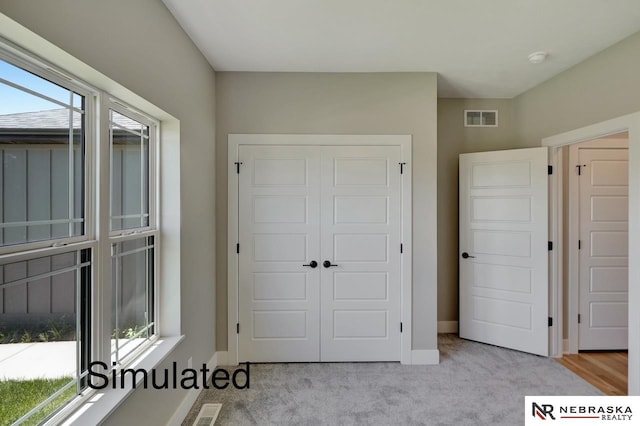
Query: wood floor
[605, 370]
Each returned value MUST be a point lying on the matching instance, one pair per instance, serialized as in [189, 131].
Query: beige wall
[455, 139]
[140, 45]
[377, 103]
[602, 87]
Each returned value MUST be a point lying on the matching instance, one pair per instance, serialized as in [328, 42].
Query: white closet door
[299, 204]
[604, 248]
[279, 232]
[360, 295]
[503, 248]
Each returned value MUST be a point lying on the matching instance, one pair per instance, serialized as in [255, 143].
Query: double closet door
[319, 253]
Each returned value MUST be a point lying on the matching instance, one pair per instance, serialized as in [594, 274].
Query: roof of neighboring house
[53, 119]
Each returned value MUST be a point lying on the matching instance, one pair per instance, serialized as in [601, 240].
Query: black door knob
[328, 264]
[313, 264]
[466, 255]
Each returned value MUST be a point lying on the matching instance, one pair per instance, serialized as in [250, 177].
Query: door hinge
[550, 245]
[402, 167]
[550, 322]
[400, 327]
[237, 328]
[401, 248]
[579, 318]
[237, 247]
[237, 163]
[579, 167]
[549, 170]
[579, 244]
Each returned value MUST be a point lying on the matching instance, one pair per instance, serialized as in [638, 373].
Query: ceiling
[478, 48]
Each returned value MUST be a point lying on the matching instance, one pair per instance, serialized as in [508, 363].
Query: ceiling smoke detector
[537, 57]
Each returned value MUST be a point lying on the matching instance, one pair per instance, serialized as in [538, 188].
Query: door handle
[313, 264]
[466, 255]
[328, 264]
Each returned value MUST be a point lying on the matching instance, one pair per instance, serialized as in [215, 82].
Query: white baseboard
[565, 346]
[185, 406]
[223, 357]
[447, 326]
[425, 357]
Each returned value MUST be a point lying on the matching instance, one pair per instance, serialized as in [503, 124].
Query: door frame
[573, 263]
[237, 140]
[627, 123]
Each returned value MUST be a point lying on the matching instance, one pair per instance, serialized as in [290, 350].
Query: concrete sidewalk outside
[27, 361]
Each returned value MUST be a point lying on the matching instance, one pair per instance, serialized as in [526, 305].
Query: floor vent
[207, 415]
[480, 118]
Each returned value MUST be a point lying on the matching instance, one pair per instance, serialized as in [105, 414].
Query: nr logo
[542, 411]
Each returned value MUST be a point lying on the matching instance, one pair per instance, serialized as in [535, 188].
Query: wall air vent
[480, 118]
[207, 415]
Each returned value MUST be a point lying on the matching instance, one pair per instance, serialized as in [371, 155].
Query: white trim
[630, 123]
[102, 403]
[187, 402]
[30, 47]
[555, 256]
[565, 347]
[447, 326]
[425, 357]
[236, 140]
[222, 357]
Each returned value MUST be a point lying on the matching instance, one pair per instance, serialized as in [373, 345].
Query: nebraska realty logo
[594, 409]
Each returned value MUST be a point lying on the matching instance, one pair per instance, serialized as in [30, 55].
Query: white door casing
[602, 198]
[363, 203]
[504, 229]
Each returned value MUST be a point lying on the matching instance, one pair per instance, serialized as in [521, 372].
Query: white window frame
[90, 95]
[121, 108]
[50, 247]
[113, 237]
[166, 156]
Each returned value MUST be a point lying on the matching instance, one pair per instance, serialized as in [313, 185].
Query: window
[131, 142]
[129, 172]
[54, 269]
[42, 145]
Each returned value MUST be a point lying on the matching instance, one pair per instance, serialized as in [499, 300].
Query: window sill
[102, 403]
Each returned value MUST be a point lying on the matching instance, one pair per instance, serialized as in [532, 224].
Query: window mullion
[142, 179]
[71, 168]
[79, 335]
[102, 284]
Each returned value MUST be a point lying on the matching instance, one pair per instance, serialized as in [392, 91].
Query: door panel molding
[503, 254]
[574, 224]
[236, 141]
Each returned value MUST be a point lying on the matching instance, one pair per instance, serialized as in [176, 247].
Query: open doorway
[596, 218]
[595, 181]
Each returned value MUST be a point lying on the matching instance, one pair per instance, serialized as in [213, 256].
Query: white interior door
[279, 232]
[604, 247]
[504, 249]
[300, 204]
[360, 295]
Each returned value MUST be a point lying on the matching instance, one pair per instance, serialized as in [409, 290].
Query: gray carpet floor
[474, 384]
